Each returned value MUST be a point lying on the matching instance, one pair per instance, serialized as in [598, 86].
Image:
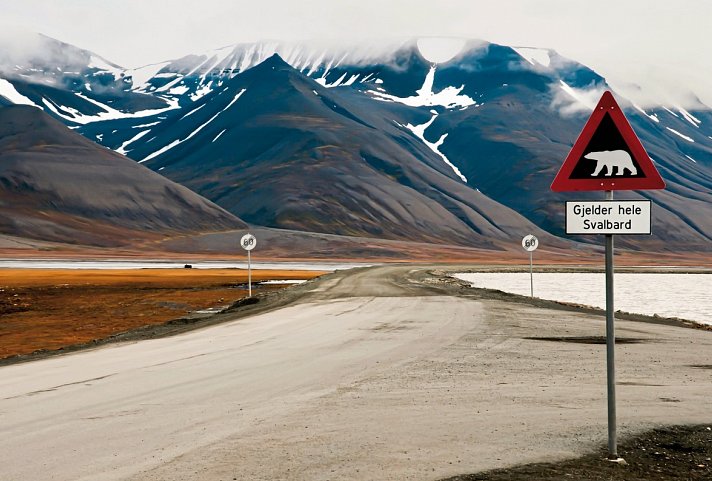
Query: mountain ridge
[492, 120]
[57, 185]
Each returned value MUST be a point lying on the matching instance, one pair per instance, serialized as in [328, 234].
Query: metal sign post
[530, 243]
[610, 345]
[248, 242]
[608, 156]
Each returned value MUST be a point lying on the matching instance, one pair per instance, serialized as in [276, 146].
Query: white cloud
[659, 45]
[568, 100]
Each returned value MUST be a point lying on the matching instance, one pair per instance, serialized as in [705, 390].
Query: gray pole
[531, 274]
[249, 274]
[610, 346]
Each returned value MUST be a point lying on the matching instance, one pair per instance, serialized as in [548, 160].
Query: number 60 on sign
[248, 242]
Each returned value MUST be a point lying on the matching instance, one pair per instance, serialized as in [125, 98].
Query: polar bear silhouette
[610, 159]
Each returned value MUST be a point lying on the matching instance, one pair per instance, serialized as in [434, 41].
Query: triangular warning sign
[607, 155]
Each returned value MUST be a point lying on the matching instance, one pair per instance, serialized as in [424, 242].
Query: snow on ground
[195, 132]
[352, 79]
[689, 117]
[201, 92]
[535, 56]
[179, 90]
[122, 149]
[339, 81]
[172, 83]
[140, 76]
[192, 112]
[419, 131]
[218, 136]
[652, 117]
[689, 139]
[109, 113]
[671, 112]
[145, 125]
[161, 150]
[101, 64]
[8, 91]
[218, 57]
[449, 97]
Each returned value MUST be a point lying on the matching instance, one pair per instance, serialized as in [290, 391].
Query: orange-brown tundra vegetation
[48, 309]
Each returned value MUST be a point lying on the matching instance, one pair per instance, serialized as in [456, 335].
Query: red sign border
[607, 104]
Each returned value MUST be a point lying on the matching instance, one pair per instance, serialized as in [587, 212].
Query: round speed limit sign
[530, 243]
[248, 242]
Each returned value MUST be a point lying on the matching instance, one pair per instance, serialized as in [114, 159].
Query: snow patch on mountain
[322, 81]
[535, 56]
[193, 111]
[419, 131]
[689, 117]
[140, 76]
[161, 150]
[145, 125]
[122, 149]
[218, 57]
[8, 91]
[689, 139]
[440, 50]
[671, 112]
[652, 117]
[179, 90]
[103, 66]
[109, 113]
[449, 97]
[171, 84]
[195, 132]
[218, 136]
[201, 92]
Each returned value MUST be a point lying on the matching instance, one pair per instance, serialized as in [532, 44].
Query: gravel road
[385, 373]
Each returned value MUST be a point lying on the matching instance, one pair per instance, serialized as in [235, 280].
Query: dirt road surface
[382, 373]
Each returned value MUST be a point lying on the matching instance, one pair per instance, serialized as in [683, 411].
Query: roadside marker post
[248, 242]
[530, 243]
[608, 156]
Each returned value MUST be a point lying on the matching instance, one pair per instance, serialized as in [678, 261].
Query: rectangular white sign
[608, 217]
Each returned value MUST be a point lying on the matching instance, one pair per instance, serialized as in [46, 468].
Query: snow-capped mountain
[382, 141]
[320, 161]
[73, 85]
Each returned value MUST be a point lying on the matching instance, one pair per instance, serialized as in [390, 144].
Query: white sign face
[608, 217]
[530, 243]
[248, 242]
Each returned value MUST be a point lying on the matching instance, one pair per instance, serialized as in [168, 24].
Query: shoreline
[550, 303]
[262, 302]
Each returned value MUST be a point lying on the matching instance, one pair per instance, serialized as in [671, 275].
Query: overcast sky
[659, 44]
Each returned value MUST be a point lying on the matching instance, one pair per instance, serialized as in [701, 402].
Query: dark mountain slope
[511, 145]
[276, 148]
[56, 185]
[504, 116]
